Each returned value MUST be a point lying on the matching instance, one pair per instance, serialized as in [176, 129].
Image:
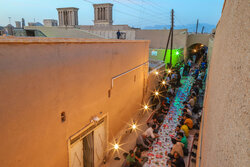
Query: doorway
[88, 148]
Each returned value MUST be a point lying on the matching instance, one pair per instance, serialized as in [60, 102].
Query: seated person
[188, 110]
[191, 101]
[163, 111]
[167, 105]
[125, 163]
[172, 92]
[168, 100]
[153, 121]
[188, 105]
[188, 121]
[177, 147]
[195, 98]
[185, 129]
[160, 118]
[149, 133]
[131, 158]
[156, 120]
[178, 160]
[142, 142]
[155, 101]
[185, 112]
[178, 129]
[181, 138]
[140, 160]
[196, 89]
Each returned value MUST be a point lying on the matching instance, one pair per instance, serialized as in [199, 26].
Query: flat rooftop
[32, 40]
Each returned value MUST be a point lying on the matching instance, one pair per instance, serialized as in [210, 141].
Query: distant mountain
[191, 27]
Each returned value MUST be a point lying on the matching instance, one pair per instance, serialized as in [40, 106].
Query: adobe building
[63, 100]
[50, 23]
[68, 16]
[224, 136]
[103, 13]
[103, 28]
[18, 24]
[103, 24]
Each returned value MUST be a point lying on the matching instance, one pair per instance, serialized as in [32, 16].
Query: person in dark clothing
[118, 34]
[131, 159]
[155, 102]
[178, 79]
[178, 161]
[125, 164]
[142, 141]
[160, 118]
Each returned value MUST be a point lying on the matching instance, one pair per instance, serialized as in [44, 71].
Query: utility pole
[202, 29]
[197, 25]
[172, 36]
[171, 32]
[166, 50]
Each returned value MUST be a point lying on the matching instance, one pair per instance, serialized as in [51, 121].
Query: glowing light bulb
[156, 93]
[134, 126]
[156, 72]
[145, 107]
[163, 82]
[194, 50]
[116, 146]
[169, 71]
[177, 53]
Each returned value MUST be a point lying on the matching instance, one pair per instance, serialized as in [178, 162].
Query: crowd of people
[190, 119]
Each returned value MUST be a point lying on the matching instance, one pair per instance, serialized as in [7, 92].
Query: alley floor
[157, 155]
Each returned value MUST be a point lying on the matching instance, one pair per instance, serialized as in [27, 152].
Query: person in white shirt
[191, 101]
[149, 133]
[188, 110]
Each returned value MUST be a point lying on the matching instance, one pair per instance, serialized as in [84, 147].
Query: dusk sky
[137, 13]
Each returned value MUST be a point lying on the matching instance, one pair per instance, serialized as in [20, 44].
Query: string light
[163, 82]
[156, 93]
[169, 71]
[116, 146]
[194, 50]
[156, 73]
[134, 126]
[177, 53]
[146, 107]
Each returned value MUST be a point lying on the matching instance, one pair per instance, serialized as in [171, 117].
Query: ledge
[46, 40]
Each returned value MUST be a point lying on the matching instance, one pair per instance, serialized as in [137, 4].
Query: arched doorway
[196, 51]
